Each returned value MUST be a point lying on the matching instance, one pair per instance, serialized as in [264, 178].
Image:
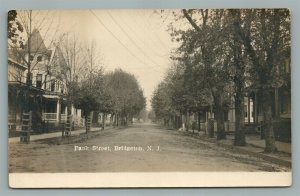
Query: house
[45, 92]
[281, 106]
[253, 113]
[17, 92]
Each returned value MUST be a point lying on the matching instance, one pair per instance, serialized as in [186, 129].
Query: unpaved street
[141, 147]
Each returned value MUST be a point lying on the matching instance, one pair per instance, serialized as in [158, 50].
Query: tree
[234, 49]
[32, 23]
[203, 50]
[26, 45]
[126, 96]
[161, 103]
[87, 85]
[72, 68]
[89, 93]
[240, 66]
[14, 28]
[267, 42]
[152, 116]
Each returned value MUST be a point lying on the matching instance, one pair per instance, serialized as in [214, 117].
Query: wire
[136, 35]
[157, 37]
[121, 41]
[132, 39]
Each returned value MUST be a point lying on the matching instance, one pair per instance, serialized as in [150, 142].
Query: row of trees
[79, 66]
[221, 53]
[117, 93]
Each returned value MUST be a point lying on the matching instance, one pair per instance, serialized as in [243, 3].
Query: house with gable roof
[46, 89]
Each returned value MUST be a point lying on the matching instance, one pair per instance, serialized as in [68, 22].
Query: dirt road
[141, 147]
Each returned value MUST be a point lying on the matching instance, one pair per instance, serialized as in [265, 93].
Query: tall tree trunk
[220, 123]
[117, 120]
[187, 121]
[268, 122]
[239, 136]
[103, 121]
[219, 115]
[86, 123]
[239, 80]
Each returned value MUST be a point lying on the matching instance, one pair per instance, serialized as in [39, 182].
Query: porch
[54, 117]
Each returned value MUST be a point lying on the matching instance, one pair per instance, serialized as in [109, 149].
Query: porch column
[249, 109]
[255, 108]
[57, 110]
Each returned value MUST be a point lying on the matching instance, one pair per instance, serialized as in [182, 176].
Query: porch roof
[51, 96]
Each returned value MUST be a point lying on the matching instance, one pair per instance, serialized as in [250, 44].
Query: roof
[37, 44]
[15, 55]
[24, 67]
[15, 58]
[57, 60]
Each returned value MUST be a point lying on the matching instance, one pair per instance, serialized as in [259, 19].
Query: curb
[265, 157]
[16, 139]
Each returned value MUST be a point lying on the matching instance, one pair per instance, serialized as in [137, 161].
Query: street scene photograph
[149, 90]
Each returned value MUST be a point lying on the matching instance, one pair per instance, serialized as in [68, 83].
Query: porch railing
[49, 116]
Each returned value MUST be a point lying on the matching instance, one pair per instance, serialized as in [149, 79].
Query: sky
[136, 41]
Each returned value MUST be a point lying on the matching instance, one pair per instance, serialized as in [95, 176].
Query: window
[285, 106]
[39, 58]
[30, 77]
[57, 84]
[39, 80]
[62, 88]
[53, 85]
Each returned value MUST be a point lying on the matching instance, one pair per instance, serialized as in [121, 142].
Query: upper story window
[39, 80]
[52, 85]
[62, 90]
[57, 84]
[39, 58]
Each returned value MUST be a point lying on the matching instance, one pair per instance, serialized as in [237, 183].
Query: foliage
[126, 96]
[89, 94]
[223, 51]
[161, 101]
[14, 28]
[266, 39]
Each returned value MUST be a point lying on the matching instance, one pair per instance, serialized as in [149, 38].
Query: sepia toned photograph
[149, 98]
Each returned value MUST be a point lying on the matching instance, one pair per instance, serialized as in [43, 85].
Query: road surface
[138, 148]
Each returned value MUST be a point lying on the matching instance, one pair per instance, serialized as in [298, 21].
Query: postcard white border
[153, 179]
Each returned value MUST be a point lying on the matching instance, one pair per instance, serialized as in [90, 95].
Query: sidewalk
[254, 147]
[50, 135]
[257, 142]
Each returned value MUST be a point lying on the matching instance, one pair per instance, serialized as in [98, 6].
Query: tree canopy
[221, 53]
[126, 96]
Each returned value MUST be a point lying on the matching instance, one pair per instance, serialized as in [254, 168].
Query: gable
[37, 44]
